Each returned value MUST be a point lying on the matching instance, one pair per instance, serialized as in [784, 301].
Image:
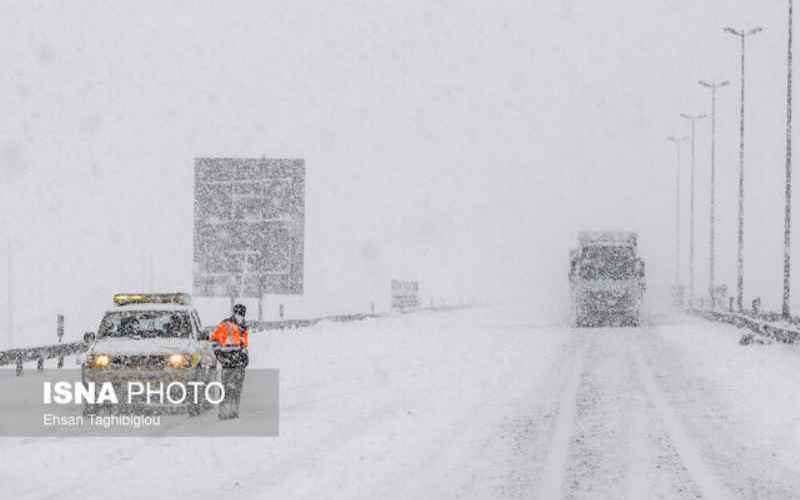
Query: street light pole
[742, 35]
[10, 299]
[787, 224]
[692, 120]
[713, 86]
[677, 142]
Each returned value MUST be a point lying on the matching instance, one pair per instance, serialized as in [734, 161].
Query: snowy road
[472, 404]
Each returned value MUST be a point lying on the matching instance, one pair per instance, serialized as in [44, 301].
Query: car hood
[141, 346]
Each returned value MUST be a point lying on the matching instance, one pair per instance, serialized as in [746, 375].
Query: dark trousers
[233, 364]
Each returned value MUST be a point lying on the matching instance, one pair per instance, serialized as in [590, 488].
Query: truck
[606, 277]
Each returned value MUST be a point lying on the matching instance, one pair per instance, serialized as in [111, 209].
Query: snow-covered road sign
[405, 295]
[249, 218]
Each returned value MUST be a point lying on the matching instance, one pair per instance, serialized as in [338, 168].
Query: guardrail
[301, 323]
[287, 324]
[40, 354]
[768, 324]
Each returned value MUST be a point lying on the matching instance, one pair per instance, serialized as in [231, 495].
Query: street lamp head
[714, 85]
[742, 33]
[692, 117]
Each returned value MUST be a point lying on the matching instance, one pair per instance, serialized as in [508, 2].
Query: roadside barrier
[768, 324]
[39, 354]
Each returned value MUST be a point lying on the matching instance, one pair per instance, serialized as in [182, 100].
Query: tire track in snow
[636, 484]
[696, 467]
[553, 477]
[606, 440]
[718, 404]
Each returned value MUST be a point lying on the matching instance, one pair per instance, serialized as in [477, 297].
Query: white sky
[460, 143]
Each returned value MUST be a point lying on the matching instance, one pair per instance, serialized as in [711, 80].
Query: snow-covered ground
[482, 403]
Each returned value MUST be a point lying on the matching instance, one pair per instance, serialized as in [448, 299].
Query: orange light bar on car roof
[122, 299]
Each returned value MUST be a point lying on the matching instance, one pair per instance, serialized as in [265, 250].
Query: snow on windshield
[145, 324]
[607, 263]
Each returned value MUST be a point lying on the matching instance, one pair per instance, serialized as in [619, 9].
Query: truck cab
[606, 279]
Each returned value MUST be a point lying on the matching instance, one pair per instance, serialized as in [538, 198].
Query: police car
[150, 337]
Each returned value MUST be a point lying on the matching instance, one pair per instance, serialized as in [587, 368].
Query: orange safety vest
[229, 333]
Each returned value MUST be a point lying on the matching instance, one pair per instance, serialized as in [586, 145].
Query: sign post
[60, 335]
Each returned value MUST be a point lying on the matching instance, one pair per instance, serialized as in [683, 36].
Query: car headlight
[178, 360]
[100, 361]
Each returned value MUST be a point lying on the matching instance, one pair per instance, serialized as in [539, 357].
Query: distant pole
[260, 299]
[145, 271]
[787, 226]
[692, 120]
[151, 272]
[60, 335]
[10, 301]
[742, 35]
[677, 142]
[231, 292]
[713, 86]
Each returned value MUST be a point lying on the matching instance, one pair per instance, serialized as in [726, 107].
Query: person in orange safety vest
[231, 337]
[233, 331]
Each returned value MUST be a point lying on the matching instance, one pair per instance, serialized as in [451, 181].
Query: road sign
[405, 295]
[249, 218]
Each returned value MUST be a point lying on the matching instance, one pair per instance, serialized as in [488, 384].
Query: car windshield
[145, 324]
[614, 263]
